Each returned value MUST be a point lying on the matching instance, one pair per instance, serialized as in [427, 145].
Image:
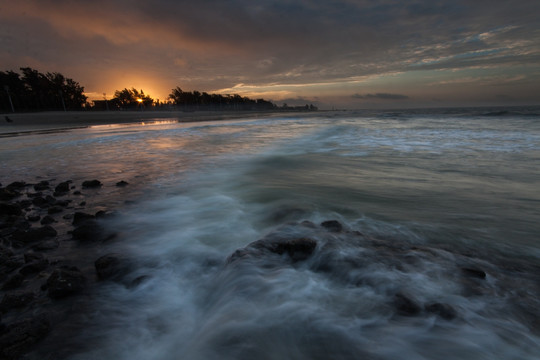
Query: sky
[334, 54]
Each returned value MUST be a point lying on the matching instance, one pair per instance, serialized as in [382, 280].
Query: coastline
[59, 120]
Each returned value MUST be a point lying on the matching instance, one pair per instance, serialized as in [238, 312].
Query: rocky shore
[53, 253]
[48, 258]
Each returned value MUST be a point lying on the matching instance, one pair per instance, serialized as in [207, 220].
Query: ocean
[405, 234]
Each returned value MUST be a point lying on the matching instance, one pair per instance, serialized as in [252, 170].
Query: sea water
[440, 209]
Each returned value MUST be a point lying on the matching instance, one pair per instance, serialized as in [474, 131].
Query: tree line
[34, 91]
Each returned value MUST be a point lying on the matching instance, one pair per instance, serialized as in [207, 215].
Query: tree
[37, 91]
[131, 98]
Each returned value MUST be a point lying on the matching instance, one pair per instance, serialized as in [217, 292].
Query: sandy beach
[57, 120]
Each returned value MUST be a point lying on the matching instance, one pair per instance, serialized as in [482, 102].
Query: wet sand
[56, 120]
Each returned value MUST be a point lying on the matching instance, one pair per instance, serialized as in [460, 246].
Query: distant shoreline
[58, 120]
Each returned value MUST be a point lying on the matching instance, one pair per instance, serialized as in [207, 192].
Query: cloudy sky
[342, 53]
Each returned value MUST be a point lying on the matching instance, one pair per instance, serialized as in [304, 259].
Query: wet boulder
[88, 231]
[17, 338]
[62, 188]
[445, 311]
[41, 186]
[91, 184]
[16, 300]
[111, 266]
[297, 249]
[122, 183]
[405, 305]
[80, 217]
[65, 281]
[332, 225]
[35, 234]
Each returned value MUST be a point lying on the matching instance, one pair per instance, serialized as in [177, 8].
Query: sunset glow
[328, 53]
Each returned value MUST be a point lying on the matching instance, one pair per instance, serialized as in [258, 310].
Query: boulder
[405, 306]
[17, 338]
[332, 225]
[42, 185]
[122, 183]
[445, 311]
[65, 281]
[111, 266]
[91, 184]
[62, 188]
[16, 300]
[10, 209]
[35, 234]
[80, 217]
[297, 249]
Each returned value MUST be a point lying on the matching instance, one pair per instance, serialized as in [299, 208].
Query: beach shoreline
[17, 123]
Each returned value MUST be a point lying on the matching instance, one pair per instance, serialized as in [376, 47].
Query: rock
[33, 218]
[91, 184]
[10, 209]
[42, 185]
[332, 225]
[55, 209]
[40, 201]
[88, 231]
[111, 266]
[16, 300]
[65, 281]
[13, 282]
[17, 338]
[62, 188]
[406, 306]
[77, 192]
[5, 254]
[34, 267]
[296, 248]
[50, 244]
[445, 311]
[33, 256]
[35, 234]
[473, 272]
[122, 183]
[47, 220]
[8, 194]
[80, 217]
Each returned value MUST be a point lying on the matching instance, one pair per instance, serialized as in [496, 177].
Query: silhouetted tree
[36, 91]
[131, 99]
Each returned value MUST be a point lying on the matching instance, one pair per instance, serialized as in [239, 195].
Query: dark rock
[122, 183]
[63, 187]
[34, 267]
[33, 218]
[88, 231]
[91, 184]
[55, 209]
[80, 217]
[16, 185]
[63, 203]
[332, 225]
[51, 200]
[5, 253]
[16, 300]
[10, 209]
[473, 272]
[35, 234]
[82, 203]
[33, 256]
[77, 192]
[406, 306]
[445, 311]
[42, 185]
[47, 219]
[8, 194]
[40, 201]
[65, 281]
[12, 263]
[47, 245]
[111, 266]
[68, 217]
[297, 248]
[13, 282]
[17, 338]
[138, 281]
